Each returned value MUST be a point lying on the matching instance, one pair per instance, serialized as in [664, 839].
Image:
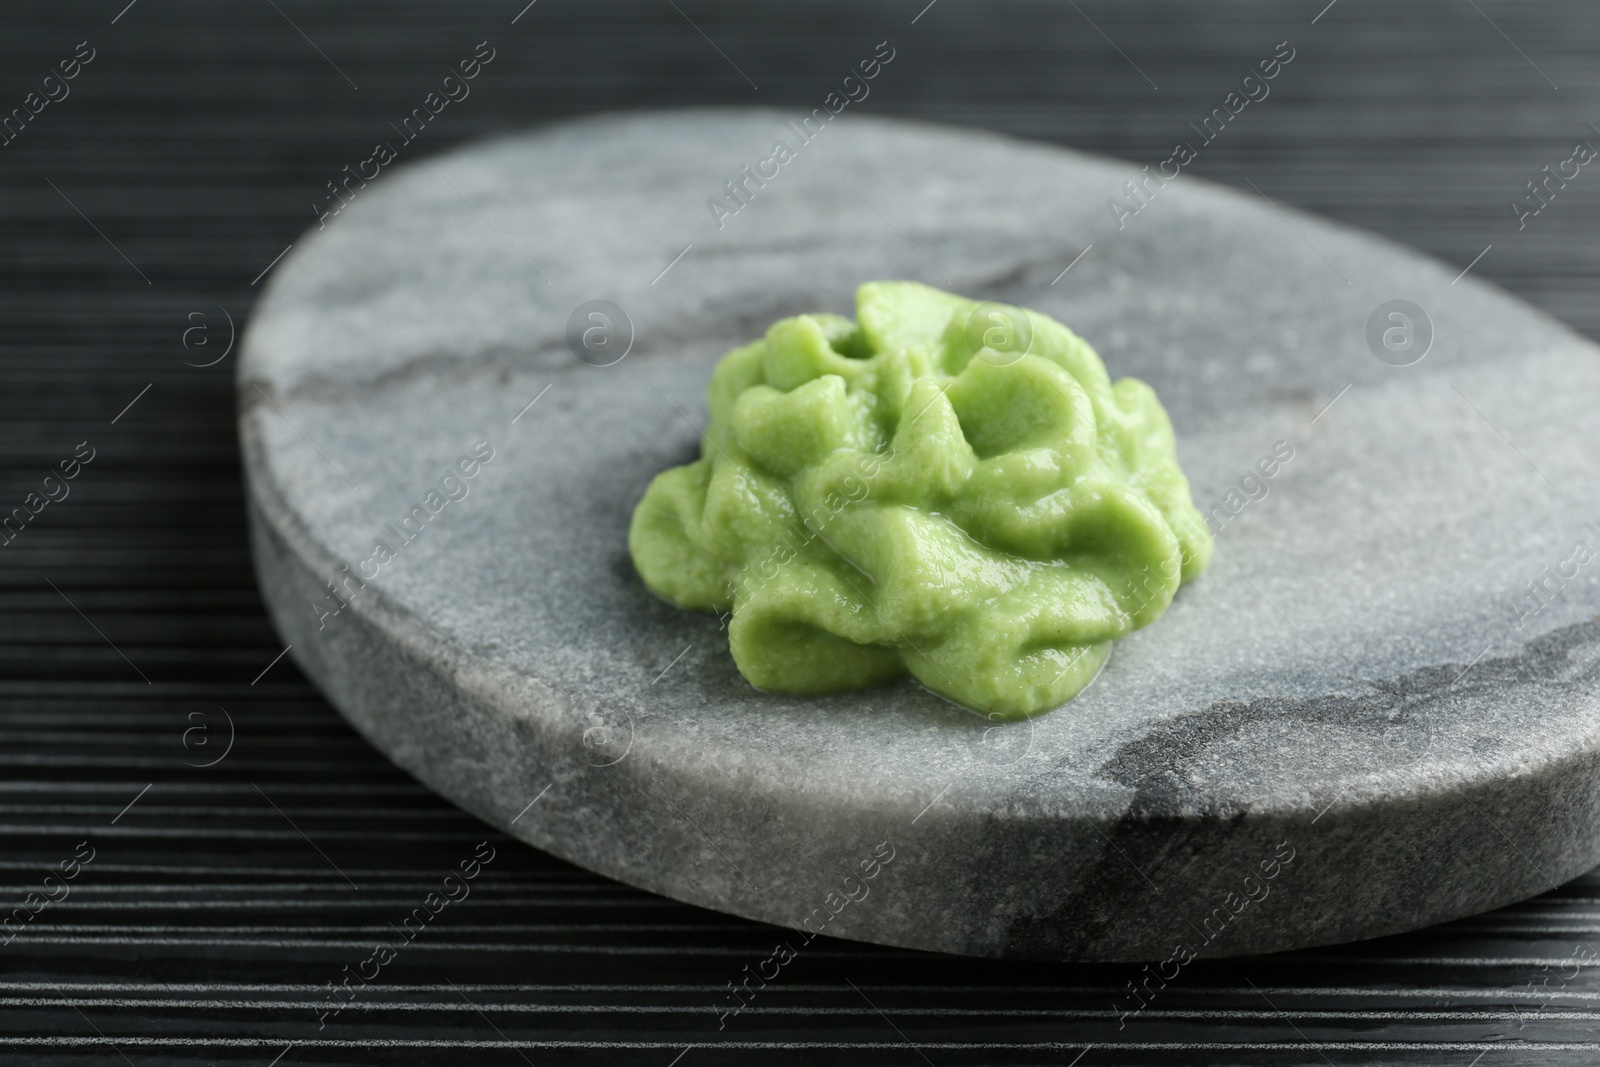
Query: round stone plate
[1364, 718]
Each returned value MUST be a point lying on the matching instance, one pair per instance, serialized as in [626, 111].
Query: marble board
[1376, 711]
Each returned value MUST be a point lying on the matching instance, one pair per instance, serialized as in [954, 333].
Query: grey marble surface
[1353, 683]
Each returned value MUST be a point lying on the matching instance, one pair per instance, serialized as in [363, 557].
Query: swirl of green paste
[892, 495]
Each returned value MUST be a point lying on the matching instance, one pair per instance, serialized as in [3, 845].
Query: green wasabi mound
[941, 488]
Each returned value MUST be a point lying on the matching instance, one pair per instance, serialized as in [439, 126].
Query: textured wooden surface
[219, 906]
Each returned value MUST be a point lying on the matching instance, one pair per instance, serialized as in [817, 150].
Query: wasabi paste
[943, 488]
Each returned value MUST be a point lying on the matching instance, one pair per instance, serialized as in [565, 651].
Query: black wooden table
[169, 911]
